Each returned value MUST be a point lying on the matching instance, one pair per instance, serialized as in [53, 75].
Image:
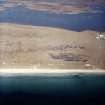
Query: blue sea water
[77, 22]
[53, 89]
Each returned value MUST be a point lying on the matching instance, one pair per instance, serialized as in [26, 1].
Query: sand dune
[45, 47]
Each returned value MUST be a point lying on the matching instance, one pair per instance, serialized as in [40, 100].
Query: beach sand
[46, 47]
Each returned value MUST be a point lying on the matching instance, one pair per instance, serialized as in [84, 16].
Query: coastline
[48, 72]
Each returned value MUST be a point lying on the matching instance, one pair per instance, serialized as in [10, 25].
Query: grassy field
[45, 47]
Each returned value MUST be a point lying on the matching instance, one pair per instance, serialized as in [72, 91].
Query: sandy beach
[46, 47]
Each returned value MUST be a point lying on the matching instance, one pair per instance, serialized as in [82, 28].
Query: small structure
[100, 35]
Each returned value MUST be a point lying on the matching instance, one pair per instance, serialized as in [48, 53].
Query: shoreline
[13, 72]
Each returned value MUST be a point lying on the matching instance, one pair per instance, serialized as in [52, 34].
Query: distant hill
[60, 1]
[56, 6]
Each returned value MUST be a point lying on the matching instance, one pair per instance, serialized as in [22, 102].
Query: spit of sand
[45, 47]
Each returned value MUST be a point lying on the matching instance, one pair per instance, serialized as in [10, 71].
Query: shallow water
[53, 83]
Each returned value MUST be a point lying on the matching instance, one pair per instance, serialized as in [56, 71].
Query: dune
[46, 47]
